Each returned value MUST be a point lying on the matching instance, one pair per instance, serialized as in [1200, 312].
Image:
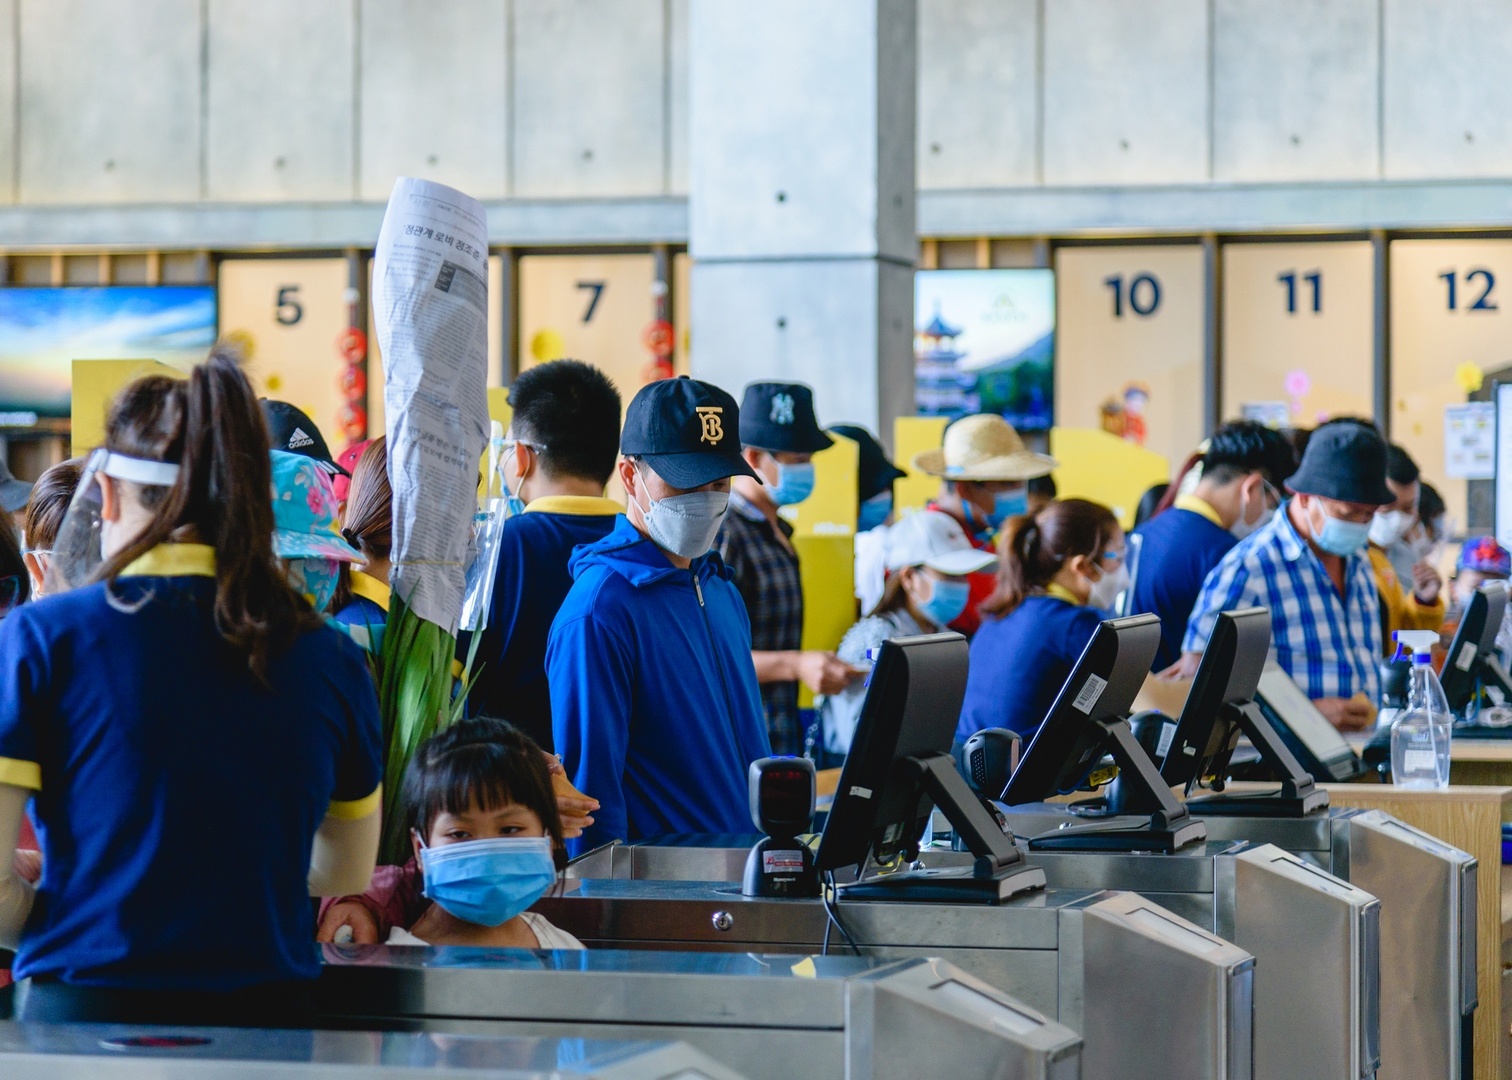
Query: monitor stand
[1298, 796]
[999, 871]
[1168, 827]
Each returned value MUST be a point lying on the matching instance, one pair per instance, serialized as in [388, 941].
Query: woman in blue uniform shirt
[1058, 574]
[202, 754]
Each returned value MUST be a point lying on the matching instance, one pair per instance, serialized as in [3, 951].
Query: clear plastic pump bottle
[1420, 736]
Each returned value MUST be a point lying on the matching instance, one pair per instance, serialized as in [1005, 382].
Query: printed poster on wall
[984, 341]
[1470, 441]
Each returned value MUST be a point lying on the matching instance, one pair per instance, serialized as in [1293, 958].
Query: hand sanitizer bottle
[1420, 735]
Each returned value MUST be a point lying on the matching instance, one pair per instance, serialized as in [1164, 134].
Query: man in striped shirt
[1309, 567]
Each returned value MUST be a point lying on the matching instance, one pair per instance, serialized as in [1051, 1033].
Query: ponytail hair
[210, 425]
[368, 522]
[1032, 550]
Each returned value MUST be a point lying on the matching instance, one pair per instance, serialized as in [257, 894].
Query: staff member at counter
[983, 467]
[1058, 573]
[654, 701]
[1308, 566]
[203, 753]
[1241, 471]
[1415, 602]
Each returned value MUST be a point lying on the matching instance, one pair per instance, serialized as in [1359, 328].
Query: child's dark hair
[484, 762]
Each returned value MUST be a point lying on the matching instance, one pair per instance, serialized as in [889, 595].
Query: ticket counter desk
[122, 1052]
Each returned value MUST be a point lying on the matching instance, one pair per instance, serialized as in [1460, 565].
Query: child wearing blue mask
[487, 840]
[928, 558]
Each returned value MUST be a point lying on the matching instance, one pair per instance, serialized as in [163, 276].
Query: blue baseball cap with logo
[780, 417]
[687, 431]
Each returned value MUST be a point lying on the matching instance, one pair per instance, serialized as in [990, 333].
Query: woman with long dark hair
[1058, 574]
[203, 753]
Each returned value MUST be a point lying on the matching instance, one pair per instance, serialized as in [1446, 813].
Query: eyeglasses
[10, 594]
[1115, 556]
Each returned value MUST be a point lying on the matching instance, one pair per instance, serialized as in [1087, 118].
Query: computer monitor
[1472, 654]
[1220, 707]
[1087, 721]
[1304, 730]
[900, 767]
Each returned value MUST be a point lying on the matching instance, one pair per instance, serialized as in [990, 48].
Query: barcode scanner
[782, 806]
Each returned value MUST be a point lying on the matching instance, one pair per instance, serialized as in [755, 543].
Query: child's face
[511, 819]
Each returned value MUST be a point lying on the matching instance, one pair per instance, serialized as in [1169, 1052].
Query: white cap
[933, 539]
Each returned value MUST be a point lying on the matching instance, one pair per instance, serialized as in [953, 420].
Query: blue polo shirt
[532, 581]
[1020, 662]
[1177, 551]
[177, 795]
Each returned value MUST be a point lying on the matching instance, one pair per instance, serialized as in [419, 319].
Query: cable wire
[828, 896]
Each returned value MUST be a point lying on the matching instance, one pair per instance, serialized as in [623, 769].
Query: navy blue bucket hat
[1344, 460]
[780, 417]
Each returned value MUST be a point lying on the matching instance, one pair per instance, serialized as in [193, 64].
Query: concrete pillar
[801, 200]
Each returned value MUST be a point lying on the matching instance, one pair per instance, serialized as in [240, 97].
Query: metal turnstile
[1154, 995]
[765, 1015]
[1427, 891]
[1315, 937]
[133, 1052]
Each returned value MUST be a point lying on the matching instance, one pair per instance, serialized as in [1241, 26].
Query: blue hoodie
[654, 703]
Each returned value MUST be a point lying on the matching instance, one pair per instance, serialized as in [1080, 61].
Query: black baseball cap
[290, 430]
[875, 474]
[687, 431]
[1344, 460]
[780, 416]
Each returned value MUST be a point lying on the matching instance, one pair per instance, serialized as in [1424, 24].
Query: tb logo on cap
[782, 409]
[713, 423]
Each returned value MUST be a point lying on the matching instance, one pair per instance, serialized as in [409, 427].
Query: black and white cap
[291, 430]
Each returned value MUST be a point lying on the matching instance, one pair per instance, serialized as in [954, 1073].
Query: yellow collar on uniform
[575, 505]
[370, 588]
[174, 560]
[1200, 507]
[1060, 592]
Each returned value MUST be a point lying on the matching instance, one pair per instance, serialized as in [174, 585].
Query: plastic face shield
[78, 550]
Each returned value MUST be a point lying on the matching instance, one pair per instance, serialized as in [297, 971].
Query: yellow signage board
[913, 435]
[1105, 469]
[95, 385]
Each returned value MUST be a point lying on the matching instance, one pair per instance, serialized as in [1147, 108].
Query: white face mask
[1106, 589]
[1243, 528]
[685, 525]
[1388, 526]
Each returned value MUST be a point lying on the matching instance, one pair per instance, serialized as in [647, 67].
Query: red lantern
[351, 343]
[354, 421]
[659, 338]
[353, 382]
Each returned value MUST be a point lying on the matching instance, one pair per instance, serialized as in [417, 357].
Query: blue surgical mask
[794, 483]
[874, 511]
[1007, 504]
[488, 882]
[1341, 538]
[946, 602]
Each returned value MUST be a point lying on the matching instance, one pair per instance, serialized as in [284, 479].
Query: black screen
[1474, 640]
[1229, 674]
[912, 706]
[1104, 683]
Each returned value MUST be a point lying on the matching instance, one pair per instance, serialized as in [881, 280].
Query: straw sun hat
[984, 448]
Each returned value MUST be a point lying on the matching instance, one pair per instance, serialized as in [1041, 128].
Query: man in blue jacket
[654, 702]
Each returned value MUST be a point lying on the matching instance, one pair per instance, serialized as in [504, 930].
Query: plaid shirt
[1328, 643]
[766, 573]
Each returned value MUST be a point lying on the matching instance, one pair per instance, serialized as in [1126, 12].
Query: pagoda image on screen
[940, 387]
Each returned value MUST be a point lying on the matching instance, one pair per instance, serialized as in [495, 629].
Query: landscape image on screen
[42, 331]
[984, 341]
